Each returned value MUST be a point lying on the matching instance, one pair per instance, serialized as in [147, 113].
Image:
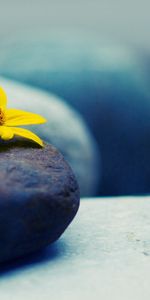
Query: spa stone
[39, 197]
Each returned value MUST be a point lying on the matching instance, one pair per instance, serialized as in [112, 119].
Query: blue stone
[39, 197]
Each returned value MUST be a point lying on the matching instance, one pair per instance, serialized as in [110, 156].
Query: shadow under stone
[53, 252]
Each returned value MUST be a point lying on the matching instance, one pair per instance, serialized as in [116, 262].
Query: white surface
[124, 20]
[104, 254]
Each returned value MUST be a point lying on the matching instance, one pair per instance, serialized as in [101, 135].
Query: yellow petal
[6, 133]
[3, 98]
[16, 117]
[27, 134]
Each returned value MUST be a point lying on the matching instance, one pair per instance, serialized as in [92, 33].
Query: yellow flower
[10, 117]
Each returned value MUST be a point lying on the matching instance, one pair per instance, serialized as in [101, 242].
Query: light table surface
[104, 254]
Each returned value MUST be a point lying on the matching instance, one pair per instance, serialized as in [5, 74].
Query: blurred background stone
[65, 129]
[105, 81]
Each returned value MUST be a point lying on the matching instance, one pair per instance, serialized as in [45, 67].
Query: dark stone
[39, 197]
[106, 83]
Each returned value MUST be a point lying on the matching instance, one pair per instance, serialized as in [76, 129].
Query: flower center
[2, 117]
